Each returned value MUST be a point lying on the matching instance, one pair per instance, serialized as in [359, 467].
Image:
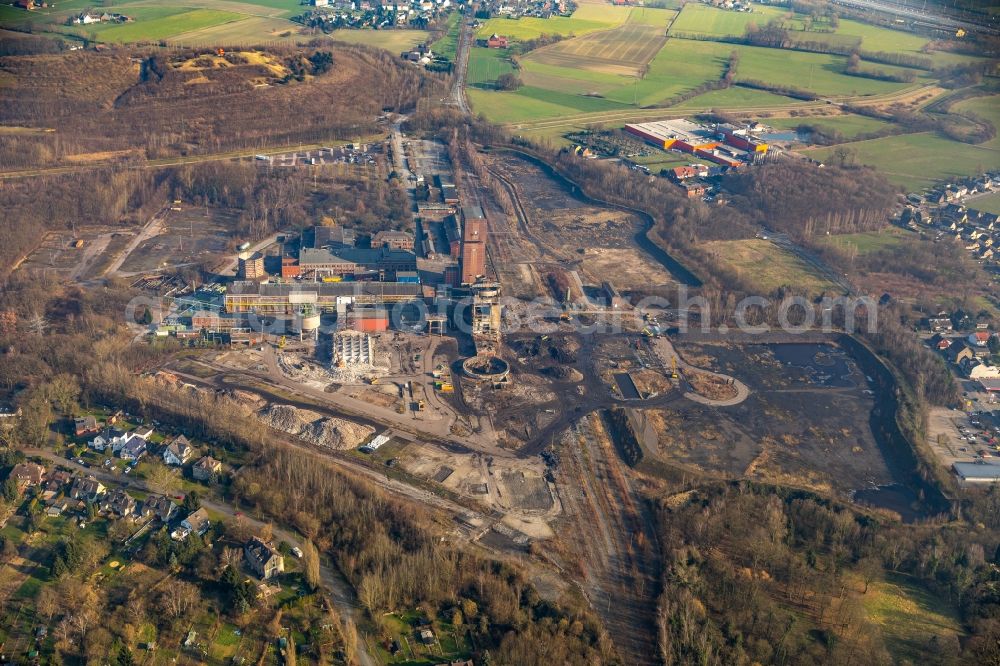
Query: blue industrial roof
[972, 470]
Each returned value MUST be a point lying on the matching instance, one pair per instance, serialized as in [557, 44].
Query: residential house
[160, 506]
[88, 489]
[119, 503]
[263, 558]
[939, 324]
[133, 449]
[206, 468]
[27, 475]
[979, 338]
[959, 352]
[197, 522]
[497, 42]
[85, 425]
[940, 342]
[178, 451]
[110, 438]
[55, 482]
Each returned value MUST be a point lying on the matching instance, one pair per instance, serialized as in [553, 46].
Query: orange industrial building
[723, 144]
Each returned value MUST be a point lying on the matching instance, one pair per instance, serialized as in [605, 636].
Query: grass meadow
[917, 161]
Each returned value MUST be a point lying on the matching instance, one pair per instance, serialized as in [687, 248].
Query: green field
[917, 161]
[985, 107]
[528, 102]
[702, 19]
[486, 65]
[662, 159]
[685, 64]
[395, 41]
[765, 266]
[909, 616]
[866, 243]
[736, 97]
[447, 46]
[705, 20]
[163, 23]
[588, 17]
[249, 31]
[849, 125]
[989, 203]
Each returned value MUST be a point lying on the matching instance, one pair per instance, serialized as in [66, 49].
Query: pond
[823, 364]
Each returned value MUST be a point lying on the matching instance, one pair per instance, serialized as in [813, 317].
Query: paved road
[340, 592]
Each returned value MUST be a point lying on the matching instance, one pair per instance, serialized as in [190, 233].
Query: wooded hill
[155, 104]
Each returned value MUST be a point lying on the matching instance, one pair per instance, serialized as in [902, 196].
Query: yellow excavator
[281, 342]
[673, 368]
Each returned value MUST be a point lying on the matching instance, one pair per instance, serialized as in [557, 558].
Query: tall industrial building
[250, 266]
[473, 244]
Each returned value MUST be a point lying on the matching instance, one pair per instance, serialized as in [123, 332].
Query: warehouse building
[722, 144]
[382, 262]
[394, 240]
[270, 298]
[977, 472]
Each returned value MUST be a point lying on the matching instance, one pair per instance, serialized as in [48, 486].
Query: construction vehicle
[564, 316]
[281, 342]
[421, 406]
[673, 368]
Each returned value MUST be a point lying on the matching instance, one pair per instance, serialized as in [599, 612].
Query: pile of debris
[312, 427]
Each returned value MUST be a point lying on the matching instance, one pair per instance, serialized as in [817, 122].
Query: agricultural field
[848, 125]
[485, 66]
[765, 265]
[532, 103]
[160, 27]
[917, 161]
[245, 32]
[704, 20]
[696, 18]
[624, 50]
[533, 28]
[395, 41]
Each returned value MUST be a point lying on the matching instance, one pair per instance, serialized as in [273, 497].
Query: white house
[178, 452]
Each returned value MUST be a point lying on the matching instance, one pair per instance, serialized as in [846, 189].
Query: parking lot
[356, 154]
[958, 436]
